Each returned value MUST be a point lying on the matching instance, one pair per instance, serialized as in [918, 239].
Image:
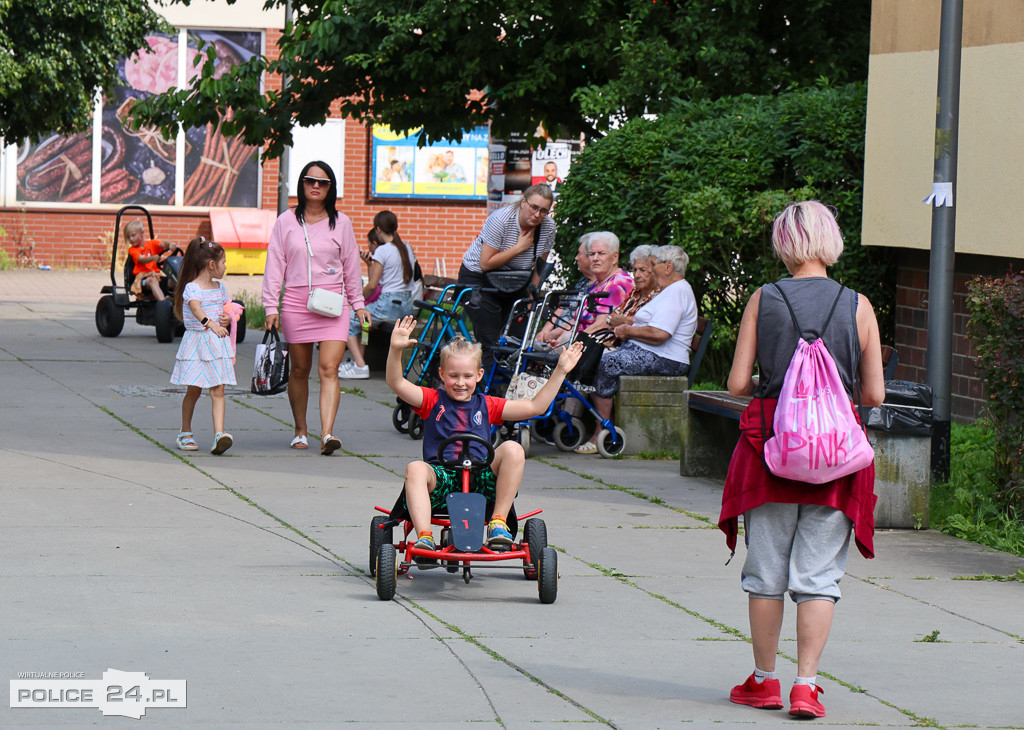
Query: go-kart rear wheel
[400, 417]
[109, 317]
[547, 575]
[415, 427]
[605, 446]
[240, 325]
[535, 537]
[452, 566]
[163, 318]
[387, 572]
[377, 538]
[568, 437]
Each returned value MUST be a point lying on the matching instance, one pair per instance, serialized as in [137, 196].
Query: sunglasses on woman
[315, 181]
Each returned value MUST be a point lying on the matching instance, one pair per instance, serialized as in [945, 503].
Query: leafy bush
[996, 328]
[967, 506]
[711, 176]
[255, 314]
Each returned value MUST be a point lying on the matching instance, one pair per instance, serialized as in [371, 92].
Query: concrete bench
[902, 463]
[649, 408]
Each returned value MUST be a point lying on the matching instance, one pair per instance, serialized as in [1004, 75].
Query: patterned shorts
[449, 481]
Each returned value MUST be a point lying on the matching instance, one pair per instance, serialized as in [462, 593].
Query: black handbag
[593, 347]
[509, 281]
[270, 371]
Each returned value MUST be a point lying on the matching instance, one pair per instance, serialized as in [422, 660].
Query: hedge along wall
[710, 177]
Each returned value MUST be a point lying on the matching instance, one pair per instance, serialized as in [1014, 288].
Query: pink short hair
[807, 231]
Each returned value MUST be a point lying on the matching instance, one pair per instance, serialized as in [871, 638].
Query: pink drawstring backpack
[816, 437]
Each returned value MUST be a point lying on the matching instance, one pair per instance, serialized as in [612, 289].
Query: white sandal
[586, 448]
[329, 445]
[300, 442]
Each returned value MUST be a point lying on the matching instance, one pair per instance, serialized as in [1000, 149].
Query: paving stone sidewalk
[246, 575]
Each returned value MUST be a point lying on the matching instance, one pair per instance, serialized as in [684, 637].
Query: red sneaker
[767, 695]
[803, 701]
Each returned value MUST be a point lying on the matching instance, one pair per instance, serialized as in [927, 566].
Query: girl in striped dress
[204, 357]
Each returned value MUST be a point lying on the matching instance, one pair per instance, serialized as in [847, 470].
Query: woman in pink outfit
[315, 225]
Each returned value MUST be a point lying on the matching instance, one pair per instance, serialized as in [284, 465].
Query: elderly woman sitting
[658, 341]
[602, 248]
[645, 288]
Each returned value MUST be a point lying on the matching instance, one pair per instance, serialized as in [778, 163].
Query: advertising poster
[138, 166]
[446, 170]
[219, 171]
[515, 167]
[59, 169]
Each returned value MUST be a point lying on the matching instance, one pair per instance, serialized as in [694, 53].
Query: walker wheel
[568, 437]
[400, 417]
[608, 448]
[415, 427]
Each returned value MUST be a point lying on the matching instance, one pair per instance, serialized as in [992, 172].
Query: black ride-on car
[117, 300]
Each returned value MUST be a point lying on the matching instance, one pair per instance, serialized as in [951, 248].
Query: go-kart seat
[400, 512]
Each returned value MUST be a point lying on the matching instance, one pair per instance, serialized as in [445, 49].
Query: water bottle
[364, 337]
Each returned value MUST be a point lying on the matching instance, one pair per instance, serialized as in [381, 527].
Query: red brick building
[58, 199]
[899, 161]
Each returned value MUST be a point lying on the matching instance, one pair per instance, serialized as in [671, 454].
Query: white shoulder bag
[324, 302]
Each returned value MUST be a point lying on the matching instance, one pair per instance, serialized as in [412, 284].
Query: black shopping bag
[270, 372]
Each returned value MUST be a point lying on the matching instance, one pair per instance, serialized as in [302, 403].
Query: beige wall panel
[217, 14]
[906, 26]
[899, 155]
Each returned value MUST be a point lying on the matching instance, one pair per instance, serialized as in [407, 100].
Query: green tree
[55, 55]
[579, 66]
[711, 175]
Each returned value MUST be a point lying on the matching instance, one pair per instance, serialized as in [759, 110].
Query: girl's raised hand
[400, 334]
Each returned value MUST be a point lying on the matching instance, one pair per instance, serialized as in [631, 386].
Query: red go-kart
[462, 535]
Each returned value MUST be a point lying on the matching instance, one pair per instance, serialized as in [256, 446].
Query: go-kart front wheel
[109, 317]
[547, 575]
[567, 437]
[535, 537]
[377, 538]
[387, 572]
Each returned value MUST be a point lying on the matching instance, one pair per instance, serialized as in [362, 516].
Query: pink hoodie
[335, 260]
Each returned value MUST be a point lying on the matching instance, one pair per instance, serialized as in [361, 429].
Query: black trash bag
[907, 409]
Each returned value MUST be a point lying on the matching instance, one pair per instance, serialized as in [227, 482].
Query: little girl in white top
[204, 358]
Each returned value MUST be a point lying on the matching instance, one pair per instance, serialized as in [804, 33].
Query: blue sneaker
[498, 533]
[425, 543]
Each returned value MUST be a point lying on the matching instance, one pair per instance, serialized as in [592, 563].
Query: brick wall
[79, 236]
[912, 325]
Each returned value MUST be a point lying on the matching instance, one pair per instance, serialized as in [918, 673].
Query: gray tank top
[777, 338]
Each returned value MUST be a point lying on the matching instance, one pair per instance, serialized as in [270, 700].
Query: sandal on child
[300, 442]
[329, 445]
[587, 448]
[221, 443]
[186, 442]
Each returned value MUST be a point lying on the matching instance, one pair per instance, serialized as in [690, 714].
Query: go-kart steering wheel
[466, 439]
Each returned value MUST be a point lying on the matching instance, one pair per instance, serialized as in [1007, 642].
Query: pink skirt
[299, 325]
